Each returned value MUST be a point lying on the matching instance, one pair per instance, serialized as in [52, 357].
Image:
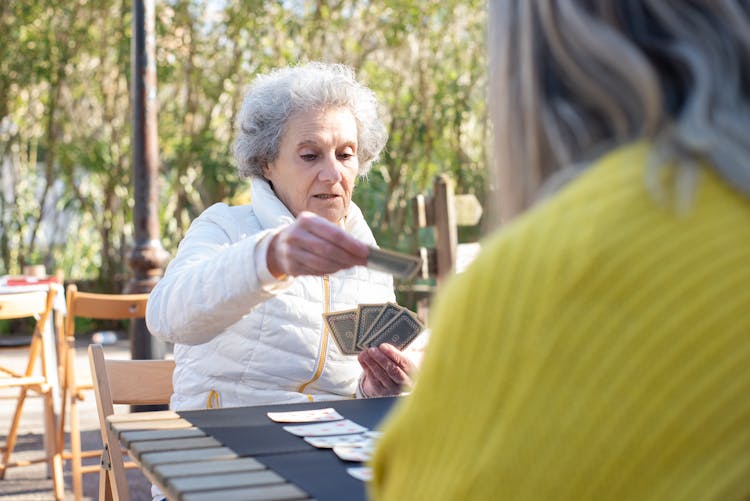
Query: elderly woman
[605, 331]
[243, 298]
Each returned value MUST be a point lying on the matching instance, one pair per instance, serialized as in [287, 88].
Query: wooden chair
[95, 306]
[444, 212]
[38, 305]
[134, 382]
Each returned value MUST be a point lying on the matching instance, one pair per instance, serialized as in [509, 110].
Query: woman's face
[317, 163]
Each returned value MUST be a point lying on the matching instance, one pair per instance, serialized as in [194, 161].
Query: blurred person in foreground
[243, 298]
[599, 346]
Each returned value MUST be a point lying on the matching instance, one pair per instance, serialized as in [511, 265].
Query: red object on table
[31, 281]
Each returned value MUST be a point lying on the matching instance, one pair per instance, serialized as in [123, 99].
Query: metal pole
[148, 256]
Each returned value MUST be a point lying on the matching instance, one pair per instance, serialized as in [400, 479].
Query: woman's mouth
[325, 196]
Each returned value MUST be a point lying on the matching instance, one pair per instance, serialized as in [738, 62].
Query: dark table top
[249, 432]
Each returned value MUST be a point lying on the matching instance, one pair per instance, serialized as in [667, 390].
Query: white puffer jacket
[239, 343]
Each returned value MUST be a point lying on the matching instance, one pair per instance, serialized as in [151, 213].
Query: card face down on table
[371, 325]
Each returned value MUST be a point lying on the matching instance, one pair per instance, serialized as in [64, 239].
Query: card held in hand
[366, 315]
[387, 313]
[342, 324]
[399, 332]
[370, 325]
[400, 265]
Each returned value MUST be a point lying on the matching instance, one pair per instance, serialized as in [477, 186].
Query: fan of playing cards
[371, 325]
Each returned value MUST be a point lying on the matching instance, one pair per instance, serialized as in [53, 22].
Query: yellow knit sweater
[598, 348]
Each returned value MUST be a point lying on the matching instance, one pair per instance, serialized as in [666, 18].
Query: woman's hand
[313, 246]
[387, 371]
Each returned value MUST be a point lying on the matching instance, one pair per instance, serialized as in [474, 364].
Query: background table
[239, 453]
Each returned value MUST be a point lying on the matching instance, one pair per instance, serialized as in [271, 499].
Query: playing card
[387, 313]
[330, 441]
[400, 265]
[366, 315]
[399, 332]
[353, 452]
[342, 427]
[342, 324]
[363, 473]
[315, 415]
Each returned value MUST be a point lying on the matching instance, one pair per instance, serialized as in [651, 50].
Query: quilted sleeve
[212, 282]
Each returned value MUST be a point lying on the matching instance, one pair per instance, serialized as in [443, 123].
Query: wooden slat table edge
[151, 459]
[153, 479]
[159, 424]
[277, 492]
[182, 486]
[142, 416]
[166, 428]
[175, 470]
[281, 491]
[139, 448]
[128, 437]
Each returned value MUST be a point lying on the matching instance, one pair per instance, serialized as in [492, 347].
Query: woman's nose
[330, 170]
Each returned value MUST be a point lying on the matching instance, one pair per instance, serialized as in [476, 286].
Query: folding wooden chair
[96, 306]
[38, 305]
[133, 382]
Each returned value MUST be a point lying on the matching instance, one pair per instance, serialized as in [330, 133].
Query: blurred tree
[65, 189]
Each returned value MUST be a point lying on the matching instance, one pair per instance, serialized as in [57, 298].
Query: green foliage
[65, 121]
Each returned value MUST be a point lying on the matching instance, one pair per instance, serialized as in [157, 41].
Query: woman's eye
[308, 157]
[345, 156]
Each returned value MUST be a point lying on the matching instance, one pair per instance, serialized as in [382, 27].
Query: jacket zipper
[324, 340]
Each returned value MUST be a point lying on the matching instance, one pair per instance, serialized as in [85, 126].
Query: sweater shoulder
[606, 235]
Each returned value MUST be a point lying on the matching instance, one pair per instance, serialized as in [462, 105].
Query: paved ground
[30, 483]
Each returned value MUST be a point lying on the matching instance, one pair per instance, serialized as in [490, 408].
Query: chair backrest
[130, 382]
[37, 304]
[102, 306]
[444, 212]
[27, 304]
[438, 211]
[134, 382]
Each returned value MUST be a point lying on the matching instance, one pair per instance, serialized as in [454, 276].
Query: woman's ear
[266, 169]
[267, 174]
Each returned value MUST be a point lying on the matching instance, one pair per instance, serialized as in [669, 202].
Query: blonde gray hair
[274, 97]
[570, 79]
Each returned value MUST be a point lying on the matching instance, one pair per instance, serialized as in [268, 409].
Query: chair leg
[63, 412]
[66, 386]
[54, 454]
[105, 486]
[10, 442]
[75, 447]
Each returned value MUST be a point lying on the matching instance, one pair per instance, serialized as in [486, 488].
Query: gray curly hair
[274, 97]
[572, 79]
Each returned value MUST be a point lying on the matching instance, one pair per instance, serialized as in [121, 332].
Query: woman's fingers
[398, 357]
[375, 372]
[323, 230]
[314, 246]
[387, 369]
[371, 387]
